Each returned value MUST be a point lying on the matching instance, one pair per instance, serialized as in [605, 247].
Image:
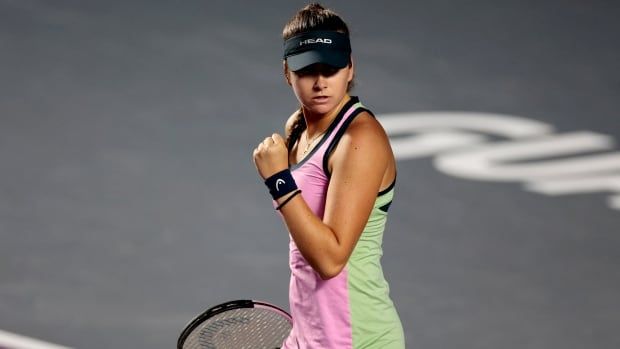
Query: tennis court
[129, 202]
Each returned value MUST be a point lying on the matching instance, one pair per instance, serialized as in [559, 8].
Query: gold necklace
[310, 143]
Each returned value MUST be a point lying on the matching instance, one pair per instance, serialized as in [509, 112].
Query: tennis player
[332, 179]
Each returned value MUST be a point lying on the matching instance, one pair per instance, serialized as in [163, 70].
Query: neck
[315, 124]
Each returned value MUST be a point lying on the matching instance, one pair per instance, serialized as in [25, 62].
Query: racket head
[237, 324]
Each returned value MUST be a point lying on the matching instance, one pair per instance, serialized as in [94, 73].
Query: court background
[129, 203]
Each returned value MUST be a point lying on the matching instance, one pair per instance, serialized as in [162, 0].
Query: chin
[322, 108]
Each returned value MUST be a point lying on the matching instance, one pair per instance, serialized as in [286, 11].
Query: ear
[285, 68]
[351, 70]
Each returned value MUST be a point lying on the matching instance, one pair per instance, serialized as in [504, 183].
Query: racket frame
[223, 307]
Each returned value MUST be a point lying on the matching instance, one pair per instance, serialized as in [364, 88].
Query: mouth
[320, 99]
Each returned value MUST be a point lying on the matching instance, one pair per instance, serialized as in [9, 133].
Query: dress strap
[355, 110]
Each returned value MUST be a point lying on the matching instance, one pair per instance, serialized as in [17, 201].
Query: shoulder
[365, 130]
[364, 140]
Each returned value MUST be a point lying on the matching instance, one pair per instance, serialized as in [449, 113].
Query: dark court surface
[129, 202]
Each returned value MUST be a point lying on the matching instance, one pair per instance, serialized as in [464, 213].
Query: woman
[332, 180]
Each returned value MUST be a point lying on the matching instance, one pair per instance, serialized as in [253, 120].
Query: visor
[327, 47]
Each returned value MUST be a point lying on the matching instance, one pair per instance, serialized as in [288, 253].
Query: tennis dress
[353, 309]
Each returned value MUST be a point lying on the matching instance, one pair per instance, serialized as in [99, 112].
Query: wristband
[281, 184]
[288, 199]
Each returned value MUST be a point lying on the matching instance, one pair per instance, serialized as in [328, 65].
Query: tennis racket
[241, 324]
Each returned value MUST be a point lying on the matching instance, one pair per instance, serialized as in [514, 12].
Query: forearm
[316, 241]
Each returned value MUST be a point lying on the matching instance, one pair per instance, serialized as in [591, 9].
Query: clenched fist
[271, 156]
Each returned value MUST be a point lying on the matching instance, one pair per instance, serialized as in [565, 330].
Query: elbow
[327, 272]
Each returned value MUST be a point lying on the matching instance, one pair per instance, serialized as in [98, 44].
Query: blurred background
[129, 202]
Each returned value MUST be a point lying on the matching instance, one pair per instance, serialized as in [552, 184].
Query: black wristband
[288, 199]
[281, 184]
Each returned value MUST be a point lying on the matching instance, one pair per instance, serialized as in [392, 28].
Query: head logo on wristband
[278, 182]
[281, 184]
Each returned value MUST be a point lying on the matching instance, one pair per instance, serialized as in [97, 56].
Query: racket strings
[250, 328]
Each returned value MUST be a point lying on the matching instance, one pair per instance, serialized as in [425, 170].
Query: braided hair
[312, 17]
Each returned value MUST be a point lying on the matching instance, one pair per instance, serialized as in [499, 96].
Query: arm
[358, 166]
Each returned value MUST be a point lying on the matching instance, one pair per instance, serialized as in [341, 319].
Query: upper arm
[357, 168]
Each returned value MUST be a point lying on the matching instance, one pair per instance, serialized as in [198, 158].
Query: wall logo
[528, 151]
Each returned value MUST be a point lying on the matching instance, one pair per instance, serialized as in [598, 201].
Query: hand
[271, 156]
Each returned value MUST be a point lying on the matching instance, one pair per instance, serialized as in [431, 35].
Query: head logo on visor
[327, 47]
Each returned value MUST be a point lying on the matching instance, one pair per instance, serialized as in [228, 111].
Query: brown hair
[312, 17]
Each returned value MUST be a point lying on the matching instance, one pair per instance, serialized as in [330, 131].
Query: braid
[298, 127]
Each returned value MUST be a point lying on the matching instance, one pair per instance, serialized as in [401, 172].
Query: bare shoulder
[364, 140]
[365, 130]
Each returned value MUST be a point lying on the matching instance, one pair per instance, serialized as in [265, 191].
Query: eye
[329, 71]
[317, 69]
[305, 72]
[310, 70]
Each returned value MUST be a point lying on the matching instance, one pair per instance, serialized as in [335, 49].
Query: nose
[320, 82]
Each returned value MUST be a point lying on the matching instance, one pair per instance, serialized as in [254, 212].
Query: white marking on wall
[492, 161]
[614, 202]
[15, 341]
[579, 185]
[461, 145]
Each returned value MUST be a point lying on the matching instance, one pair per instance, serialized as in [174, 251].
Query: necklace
[310, 143]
